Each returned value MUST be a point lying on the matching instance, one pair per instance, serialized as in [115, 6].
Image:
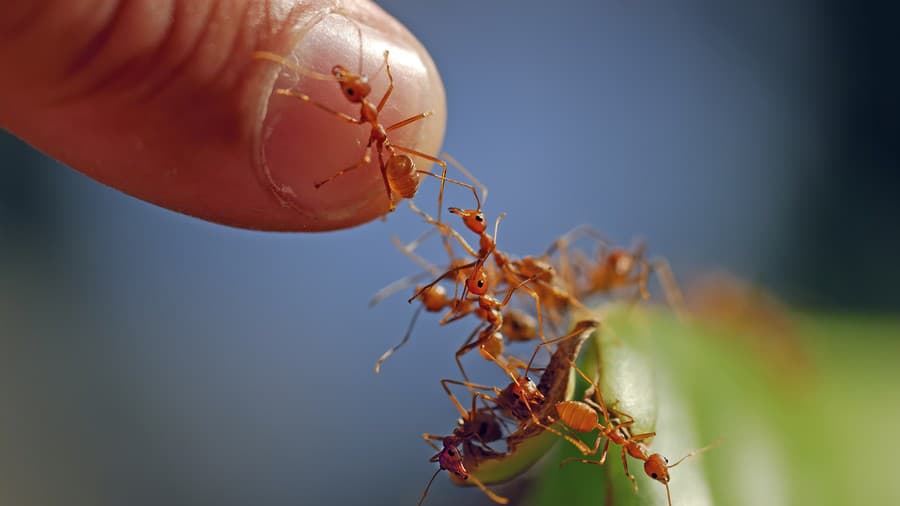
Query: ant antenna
[359, 36]
[714, 444]
[409, 330]
[272, 57]
[433, 476]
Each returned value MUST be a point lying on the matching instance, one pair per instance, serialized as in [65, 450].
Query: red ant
[581, 416]
[476, 424]
[450, 459]
[398, 171]
[486, 337]
[615, 268]
[545, 290]
[522, 399]
[475, 429]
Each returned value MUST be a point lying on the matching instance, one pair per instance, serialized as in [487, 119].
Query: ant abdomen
[402, 175]
[519, 326]
[577, 415]
[492, 346]
[434, 298]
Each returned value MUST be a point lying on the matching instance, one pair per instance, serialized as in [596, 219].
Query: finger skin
[163, 100]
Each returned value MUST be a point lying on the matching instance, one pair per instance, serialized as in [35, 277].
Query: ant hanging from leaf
[522, 400]
[581, 416]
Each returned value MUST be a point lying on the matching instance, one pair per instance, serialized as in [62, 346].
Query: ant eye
[666, 459]
[479, 217]
[450, 452]
[480, 283]
[653, 476]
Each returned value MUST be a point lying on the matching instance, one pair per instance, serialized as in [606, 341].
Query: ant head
[355, 87]
[522, 397]
[450, 459]
[657, 467]
[472, 218]
[477, 282]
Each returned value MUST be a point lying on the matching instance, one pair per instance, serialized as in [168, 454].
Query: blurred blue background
[150, 358]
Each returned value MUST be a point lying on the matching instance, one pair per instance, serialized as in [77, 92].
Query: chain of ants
[555, 281]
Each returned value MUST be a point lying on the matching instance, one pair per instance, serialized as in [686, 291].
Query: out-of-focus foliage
[812, 431]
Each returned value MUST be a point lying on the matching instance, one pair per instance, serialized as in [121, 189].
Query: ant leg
[366, 159]
[443, 228]
[540, 318]
[411, 119]
[408, 251]
[572, 235]
[403, 341]
[580, 328]
[384, 177]
[639, 437]
[588, 461]
[396, 286]
[492, 496]
[439, 278]
[605, 451]
[390, 88]
[453, 315]
[643, 279]
[308, 100]
[466, 348]
[443, 178]
[468, 175]
[431, 438]
[453, 181]
[670, 287]
[627, 472]
[471, 386]
[577, 443]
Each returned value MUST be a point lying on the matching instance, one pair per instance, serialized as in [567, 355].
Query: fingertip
[300, 144]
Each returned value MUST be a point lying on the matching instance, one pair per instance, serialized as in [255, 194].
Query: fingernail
[301, 143]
